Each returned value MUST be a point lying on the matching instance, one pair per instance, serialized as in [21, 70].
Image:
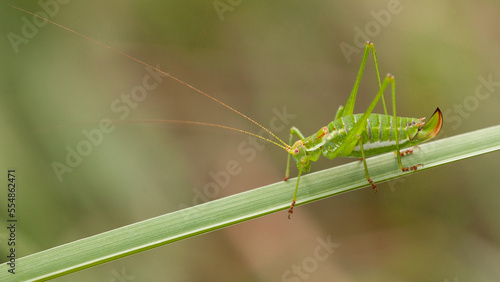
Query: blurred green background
[436, 225]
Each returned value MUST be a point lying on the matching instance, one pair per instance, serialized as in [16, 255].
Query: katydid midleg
[348, 135]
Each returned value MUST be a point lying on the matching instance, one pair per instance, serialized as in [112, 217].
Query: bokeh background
[436, 225]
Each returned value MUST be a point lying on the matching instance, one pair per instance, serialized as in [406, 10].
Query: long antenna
[196, 123]
[285, 146]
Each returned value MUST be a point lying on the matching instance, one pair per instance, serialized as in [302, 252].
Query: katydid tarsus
[348, 135]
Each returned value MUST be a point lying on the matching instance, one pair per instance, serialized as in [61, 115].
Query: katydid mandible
[348, 135]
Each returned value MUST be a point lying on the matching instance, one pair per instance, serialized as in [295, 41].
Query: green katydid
[348, 135]
[362, 135]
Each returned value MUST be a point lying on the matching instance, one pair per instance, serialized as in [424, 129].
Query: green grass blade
[224, 212]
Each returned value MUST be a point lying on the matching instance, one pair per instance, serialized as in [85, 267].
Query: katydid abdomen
[378, 136]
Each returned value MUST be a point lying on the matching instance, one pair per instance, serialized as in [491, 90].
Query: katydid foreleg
[296, 131]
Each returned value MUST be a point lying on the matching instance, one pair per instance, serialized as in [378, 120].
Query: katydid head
[300, 155]
[430, 129]
[298, 149]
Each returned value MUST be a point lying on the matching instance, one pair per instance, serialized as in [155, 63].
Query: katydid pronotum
[348, 135]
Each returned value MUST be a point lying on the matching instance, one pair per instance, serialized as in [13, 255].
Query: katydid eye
[296, 151]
